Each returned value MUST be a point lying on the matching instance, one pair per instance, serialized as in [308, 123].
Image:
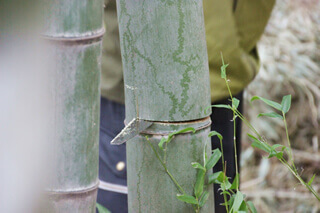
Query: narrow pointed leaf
[275, 146]
[188, 129]
[259, 144]
[237, 201]
[274, 153]
[235, 182]
[253, 137]
[235, 103]
[215, 133]
[214, 158]
[205, 156]
[268, 102]
[271, 115]
[187, 199]
[162, 141]
[222, 106]
[197, 166]
[223, 68]
[204, 198]
[311, 180]
[284, 148]
[243, 208]
[225, 192]
[216, 177]
[231, 200]
[286, 103]
[223, 72]
[198, 188]
[170, 136]
[226, 185]
[251, 207]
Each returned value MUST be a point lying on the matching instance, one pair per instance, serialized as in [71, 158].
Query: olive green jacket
[233, 28]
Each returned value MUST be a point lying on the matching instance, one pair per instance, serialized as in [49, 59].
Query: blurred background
[24, 107]
[290, 64]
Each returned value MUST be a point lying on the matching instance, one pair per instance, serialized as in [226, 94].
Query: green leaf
[223, 68]
[237, 202]
[216, 177]
[274, 153]
[206, 109]
[214, 158]
[205, 156]
[275, 146]
[197, 166]
[198, 188]
[286, 103]
[204, 198]
[271, 115]
[225, 192]
[252, 137]
[235, 182]
[162, 141]
[251, 207]
[226, 185]
[269, 102]
[102, 209]
[188, 129]
[223, 71]
[243, 208]
[311, 180]
[284, 148]
[187, 199]
[215, 133]
[235, 103]
[259, 144]
[171, 135]
[222, 106]
[231, 200]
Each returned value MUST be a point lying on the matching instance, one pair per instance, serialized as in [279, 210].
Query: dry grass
[290, 58]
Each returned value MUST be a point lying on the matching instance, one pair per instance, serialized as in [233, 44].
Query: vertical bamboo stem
[166, 76]
[74, 29]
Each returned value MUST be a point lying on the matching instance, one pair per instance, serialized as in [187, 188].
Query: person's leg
[222, 123]
[112, 192]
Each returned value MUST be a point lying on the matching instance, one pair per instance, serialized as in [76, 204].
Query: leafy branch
[236, 202]
[277, 150]
[201, 195]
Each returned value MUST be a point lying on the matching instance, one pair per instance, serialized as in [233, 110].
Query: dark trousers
[222, 123]
[111, 122]
[112, 117]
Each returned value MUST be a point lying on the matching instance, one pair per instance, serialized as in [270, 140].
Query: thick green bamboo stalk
[150, 188]
[164, 59]
[166, 78]
[74, 29]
